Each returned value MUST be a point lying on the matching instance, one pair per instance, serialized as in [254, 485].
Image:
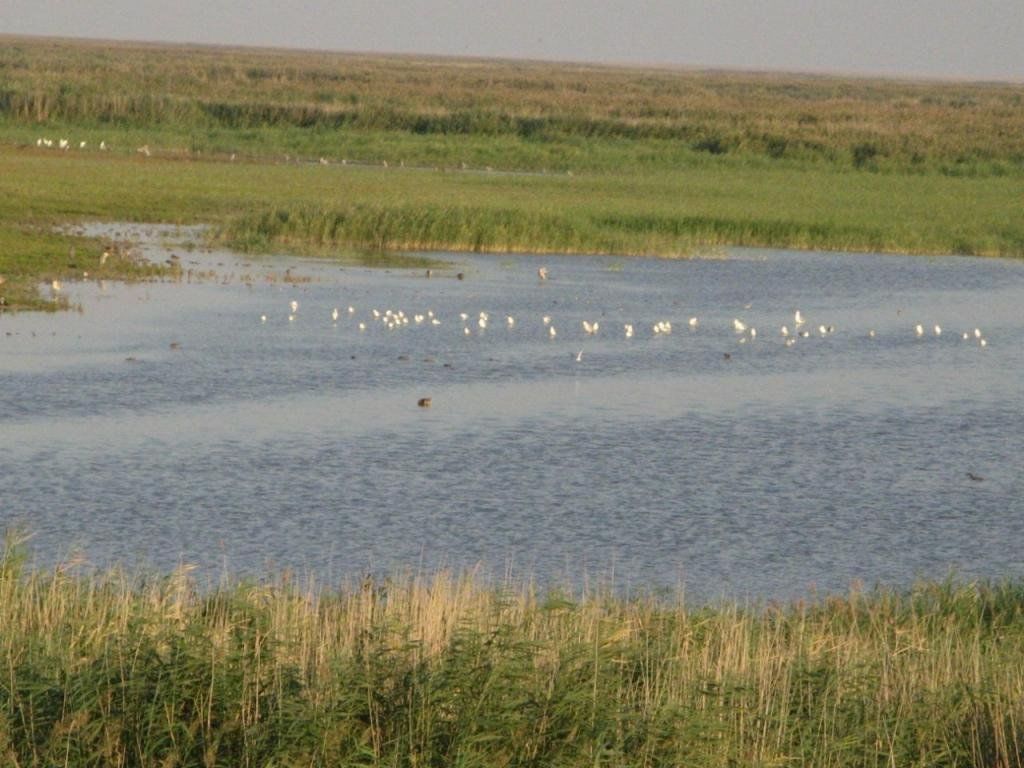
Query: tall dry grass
[448, 669]
[336, 98]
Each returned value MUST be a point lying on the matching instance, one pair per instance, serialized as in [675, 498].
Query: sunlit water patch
[171, 421]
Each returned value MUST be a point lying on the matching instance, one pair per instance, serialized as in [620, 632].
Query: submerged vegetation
[339, 154]
[104, 669]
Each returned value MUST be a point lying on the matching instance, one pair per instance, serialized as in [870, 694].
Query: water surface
[166, 422]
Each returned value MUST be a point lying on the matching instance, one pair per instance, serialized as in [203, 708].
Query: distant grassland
[106, 669]
[326, 101]
[339, 154]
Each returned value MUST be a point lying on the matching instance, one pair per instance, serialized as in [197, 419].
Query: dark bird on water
[974, 477]
[423, 402]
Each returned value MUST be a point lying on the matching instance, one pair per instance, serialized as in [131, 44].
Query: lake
[169, 422]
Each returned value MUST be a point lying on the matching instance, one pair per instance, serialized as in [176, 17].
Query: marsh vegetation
[339, 154]
[111, 669]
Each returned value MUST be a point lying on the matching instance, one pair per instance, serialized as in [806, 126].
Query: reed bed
[200, 92]
[107, 669]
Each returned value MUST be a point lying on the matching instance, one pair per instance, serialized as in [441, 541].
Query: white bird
[694, 322]
[334, 314]
[871, 333]
[351, 310]
[103, 145]
[362, 326]
[291, 318]
[983, 343]
[966, 335]
[938, 329]
[295, 306]
[798, 318]
[738, 325]
[784, 331]
[81, 145]
[263, 318]
[546, 319]
[628, 330]
[510, 321]
[753, 333]
[977, 333]
[552, 332]
[919, 329]
[579, 356]
[542, 273]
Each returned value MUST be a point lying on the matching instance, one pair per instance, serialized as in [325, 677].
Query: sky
[948, 39]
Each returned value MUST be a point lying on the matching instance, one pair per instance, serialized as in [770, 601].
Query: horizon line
[690, 68]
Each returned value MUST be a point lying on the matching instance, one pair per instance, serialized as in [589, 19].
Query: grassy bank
[110, 670]
[423, 154]
[271, 205]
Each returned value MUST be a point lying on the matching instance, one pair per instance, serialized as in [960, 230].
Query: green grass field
[357, 157]
[106, 669]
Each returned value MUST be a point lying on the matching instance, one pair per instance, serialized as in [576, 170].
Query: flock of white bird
[65, 144]
[478, 323]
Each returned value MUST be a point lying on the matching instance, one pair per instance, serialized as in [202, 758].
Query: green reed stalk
[106, 669]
